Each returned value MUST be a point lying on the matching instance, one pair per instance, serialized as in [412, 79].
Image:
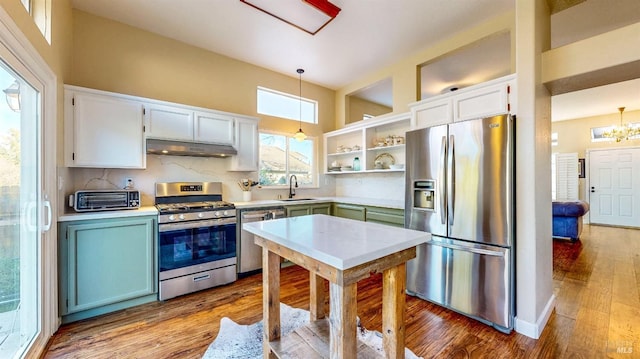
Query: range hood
[184, 148]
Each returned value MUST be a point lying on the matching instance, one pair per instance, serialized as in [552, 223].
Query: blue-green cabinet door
[109, 261]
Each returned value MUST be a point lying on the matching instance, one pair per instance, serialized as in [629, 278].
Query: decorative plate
[386, 160]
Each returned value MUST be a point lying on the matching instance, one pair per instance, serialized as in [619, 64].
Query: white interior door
[614, 187]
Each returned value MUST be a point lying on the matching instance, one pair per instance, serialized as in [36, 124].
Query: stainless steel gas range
[197, 237]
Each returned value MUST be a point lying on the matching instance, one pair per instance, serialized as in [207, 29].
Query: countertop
[348, 200]
[340, 242]
[79, 216]
[152, 211]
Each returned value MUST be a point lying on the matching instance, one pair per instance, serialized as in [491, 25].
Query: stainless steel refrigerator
[459, 183]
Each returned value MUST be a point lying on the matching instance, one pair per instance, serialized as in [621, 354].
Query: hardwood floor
[597, 314]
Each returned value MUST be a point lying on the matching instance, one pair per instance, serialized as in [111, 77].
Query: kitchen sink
[296, 199]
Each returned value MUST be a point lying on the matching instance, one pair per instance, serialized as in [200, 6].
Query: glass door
[20, 219]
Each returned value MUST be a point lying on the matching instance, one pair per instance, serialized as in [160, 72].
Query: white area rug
[245, 341]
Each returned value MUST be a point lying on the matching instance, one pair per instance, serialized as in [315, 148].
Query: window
[597, 133]
[40, 11]
[282, 156]
[280, 104]
[27, 5]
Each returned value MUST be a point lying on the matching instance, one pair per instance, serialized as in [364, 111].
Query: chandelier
[622, 132]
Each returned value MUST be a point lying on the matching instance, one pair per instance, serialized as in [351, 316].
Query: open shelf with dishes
[378, 145]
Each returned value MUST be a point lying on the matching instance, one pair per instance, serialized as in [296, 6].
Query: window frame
[297, 98]
[315, 173]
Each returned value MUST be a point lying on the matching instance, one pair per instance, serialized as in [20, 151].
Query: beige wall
[358, 107]
[112, 56]
[534, 290]
[57, 54]
[404, 73]
[575, 135]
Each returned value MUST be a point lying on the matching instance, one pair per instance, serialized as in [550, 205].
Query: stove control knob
[181, 216]
[217, 214]
[172, 217]
[200, 215]
[226, 213]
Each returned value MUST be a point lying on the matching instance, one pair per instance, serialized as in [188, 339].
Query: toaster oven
[104, 200]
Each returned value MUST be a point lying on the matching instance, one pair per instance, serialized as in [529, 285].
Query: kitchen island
[342, 251]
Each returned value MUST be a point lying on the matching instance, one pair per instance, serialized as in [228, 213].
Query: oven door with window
[194, 243]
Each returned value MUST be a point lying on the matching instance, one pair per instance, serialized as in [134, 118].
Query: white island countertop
[339, 242]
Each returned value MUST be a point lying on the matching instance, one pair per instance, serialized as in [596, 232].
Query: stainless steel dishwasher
[251, 254]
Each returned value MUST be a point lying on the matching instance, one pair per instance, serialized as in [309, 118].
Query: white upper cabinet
[102, 130]
[109, 130]
[246, 143]
[168, 122]
[180, 123]
[477, 101]
[432, 113]
[488, 100]
[214, 128]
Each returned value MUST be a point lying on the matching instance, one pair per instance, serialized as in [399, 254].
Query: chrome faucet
[292, 191]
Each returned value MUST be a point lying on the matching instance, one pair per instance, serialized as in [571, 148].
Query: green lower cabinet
[349, 211]
[303, 210]
[106, 265]
[389, 216]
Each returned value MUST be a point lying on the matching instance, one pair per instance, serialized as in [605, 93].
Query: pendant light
[300, 136]
[622, 132]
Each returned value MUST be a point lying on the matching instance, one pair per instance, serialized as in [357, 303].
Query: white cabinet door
[246, 143]
[213, 128]
[482, 102]
[168, 122]
[107, 131]
[432, 113]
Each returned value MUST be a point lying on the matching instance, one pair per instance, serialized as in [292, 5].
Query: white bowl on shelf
[399, 166]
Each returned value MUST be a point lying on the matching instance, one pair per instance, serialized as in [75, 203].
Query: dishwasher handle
[255, 215]
[277, 214]
[263, 215]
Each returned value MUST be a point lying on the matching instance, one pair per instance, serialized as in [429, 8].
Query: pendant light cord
[300, 72]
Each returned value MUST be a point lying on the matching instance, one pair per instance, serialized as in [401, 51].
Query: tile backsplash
[375, 185]
[176, 169]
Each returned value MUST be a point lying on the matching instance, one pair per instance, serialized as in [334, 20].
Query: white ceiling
[366, 36]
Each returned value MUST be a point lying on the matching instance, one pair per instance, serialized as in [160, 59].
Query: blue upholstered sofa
[567, 218]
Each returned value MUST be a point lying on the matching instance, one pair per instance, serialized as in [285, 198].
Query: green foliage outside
[9, 220]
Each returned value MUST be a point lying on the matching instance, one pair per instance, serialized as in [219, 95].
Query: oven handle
[167, 227]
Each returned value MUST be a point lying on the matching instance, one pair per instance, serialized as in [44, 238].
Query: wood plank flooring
[597, 315]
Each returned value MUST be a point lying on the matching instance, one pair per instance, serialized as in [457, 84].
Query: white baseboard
[533, 330]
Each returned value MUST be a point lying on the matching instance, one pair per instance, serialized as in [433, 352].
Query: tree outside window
[282, 156]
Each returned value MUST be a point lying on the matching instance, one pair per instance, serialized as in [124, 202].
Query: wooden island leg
[317, 297]
[270, 300]
[343, 342]
[393, 301]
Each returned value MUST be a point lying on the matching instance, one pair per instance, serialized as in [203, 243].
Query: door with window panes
[25, 213]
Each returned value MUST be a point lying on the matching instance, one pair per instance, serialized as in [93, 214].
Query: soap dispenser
[356, 164]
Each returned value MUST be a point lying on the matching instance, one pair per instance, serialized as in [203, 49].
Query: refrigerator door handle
[441, 179]
[466, 249]
[451, 183]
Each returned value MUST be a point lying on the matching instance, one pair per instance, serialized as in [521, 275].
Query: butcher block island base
[342, 252]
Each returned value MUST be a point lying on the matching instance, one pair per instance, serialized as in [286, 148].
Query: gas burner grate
[186, 207]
